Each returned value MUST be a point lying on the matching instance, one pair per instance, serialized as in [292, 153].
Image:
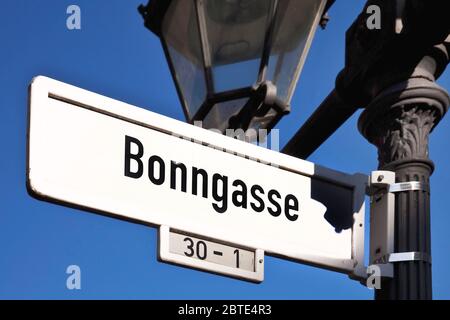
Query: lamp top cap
[155, 10]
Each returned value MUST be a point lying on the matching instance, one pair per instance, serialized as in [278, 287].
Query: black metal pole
[391, 72]
[398, 122]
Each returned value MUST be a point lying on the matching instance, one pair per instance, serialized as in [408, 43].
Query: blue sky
[114, 55]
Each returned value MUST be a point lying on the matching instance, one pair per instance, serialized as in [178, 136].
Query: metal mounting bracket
[405, 257]
[382, 189]
[382, 219]
[408, 186]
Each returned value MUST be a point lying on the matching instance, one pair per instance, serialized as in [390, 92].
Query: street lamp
[235, 63]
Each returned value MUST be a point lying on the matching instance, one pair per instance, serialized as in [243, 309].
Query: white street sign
[99, 154]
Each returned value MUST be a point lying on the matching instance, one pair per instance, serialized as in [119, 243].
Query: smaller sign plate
[205, 254]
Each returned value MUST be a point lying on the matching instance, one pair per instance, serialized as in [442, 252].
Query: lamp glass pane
[222, 112]
[296, 22]
[181, 34]
[235, 31]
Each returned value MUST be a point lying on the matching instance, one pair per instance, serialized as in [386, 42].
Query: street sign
[95, 153]
[194, 251]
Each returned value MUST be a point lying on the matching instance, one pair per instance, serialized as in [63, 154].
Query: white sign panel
[99, 154]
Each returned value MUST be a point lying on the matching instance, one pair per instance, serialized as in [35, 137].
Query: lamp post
[399, 122]
[235, 63]
[391, 73]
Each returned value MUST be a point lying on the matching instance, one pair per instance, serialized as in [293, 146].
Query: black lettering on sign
[136, 157]
[288, 207]
[220, 197]
[277, 211]
[239, 197]
[273, 202]
[152, 172]
[259, 205]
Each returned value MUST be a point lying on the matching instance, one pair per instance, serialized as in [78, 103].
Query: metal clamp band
[409, 186]
[405, 257]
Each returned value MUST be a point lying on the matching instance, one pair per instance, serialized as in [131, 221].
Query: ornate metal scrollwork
[403, 133]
